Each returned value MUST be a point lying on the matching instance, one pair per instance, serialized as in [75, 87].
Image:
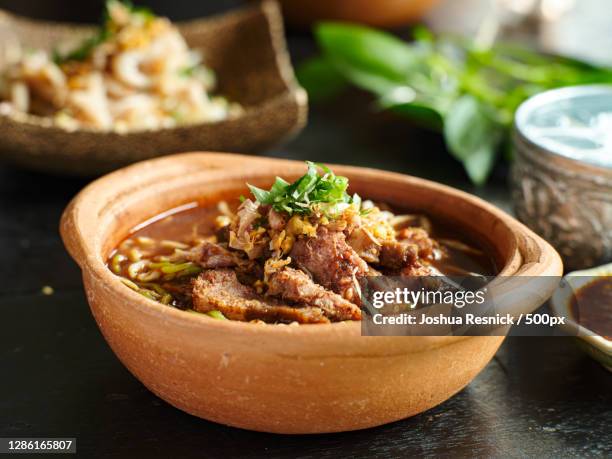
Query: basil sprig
[467, 93]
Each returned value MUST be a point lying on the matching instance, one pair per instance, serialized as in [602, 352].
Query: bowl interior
[468, 215]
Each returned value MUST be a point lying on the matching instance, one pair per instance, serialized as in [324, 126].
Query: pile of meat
[270, 267]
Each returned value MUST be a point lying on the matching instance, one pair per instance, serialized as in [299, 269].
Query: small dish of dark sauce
[591, 306]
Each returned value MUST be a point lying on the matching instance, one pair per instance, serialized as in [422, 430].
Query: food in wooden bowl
[136, 73]
[139, 87]
[285, 374]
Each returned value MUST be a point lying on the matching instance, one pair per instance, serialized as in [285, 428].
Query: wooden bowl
[305, 379]
[381, 13]
[247, 50]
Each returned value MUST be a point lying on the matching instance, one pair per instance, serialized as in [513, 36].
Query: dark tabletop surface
[539, 397]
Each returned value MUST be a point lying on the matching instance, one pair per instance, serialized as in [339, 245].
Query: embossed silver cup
[562, 174]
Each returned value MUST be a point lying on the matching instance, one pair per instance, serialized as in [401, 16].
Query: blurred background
[570, 27]
[564, 26]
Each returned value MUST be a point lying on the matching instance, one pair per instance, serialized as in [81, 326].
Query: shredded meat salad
[293, 254]
[136, 72]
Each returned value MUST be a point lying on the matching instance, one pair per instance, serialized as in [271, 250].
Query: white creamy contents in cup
[574, 122]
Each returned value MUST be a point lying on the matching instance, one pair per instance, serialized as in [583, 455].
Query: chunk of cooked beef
[398, 254]
[420, 238]
[296, 286]
[403, 256]
[220, 290]
[210, 255]
[331, 262]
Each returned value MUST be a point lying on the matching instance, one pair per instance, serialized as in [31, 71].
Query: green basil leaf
[480, 163]
[467, 127]
[420, 114]
[364, 79]
[262, 196]
[365, 49]
[472, 137]
[320, 79]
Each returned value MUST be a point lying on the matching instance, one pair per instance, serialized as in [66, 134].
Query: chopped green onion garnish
[311, 192]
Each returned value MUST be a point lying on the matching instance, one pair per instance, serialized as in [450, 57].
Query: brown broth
[183, 226]
[592, 306]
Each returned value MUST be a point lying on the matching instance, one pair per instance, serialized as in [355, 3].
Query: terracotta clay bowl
[305, 379]
[247, 50]
[381, 13]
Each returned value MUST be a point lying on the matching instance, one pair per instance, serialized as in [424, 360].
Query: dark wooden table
[539, 397]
